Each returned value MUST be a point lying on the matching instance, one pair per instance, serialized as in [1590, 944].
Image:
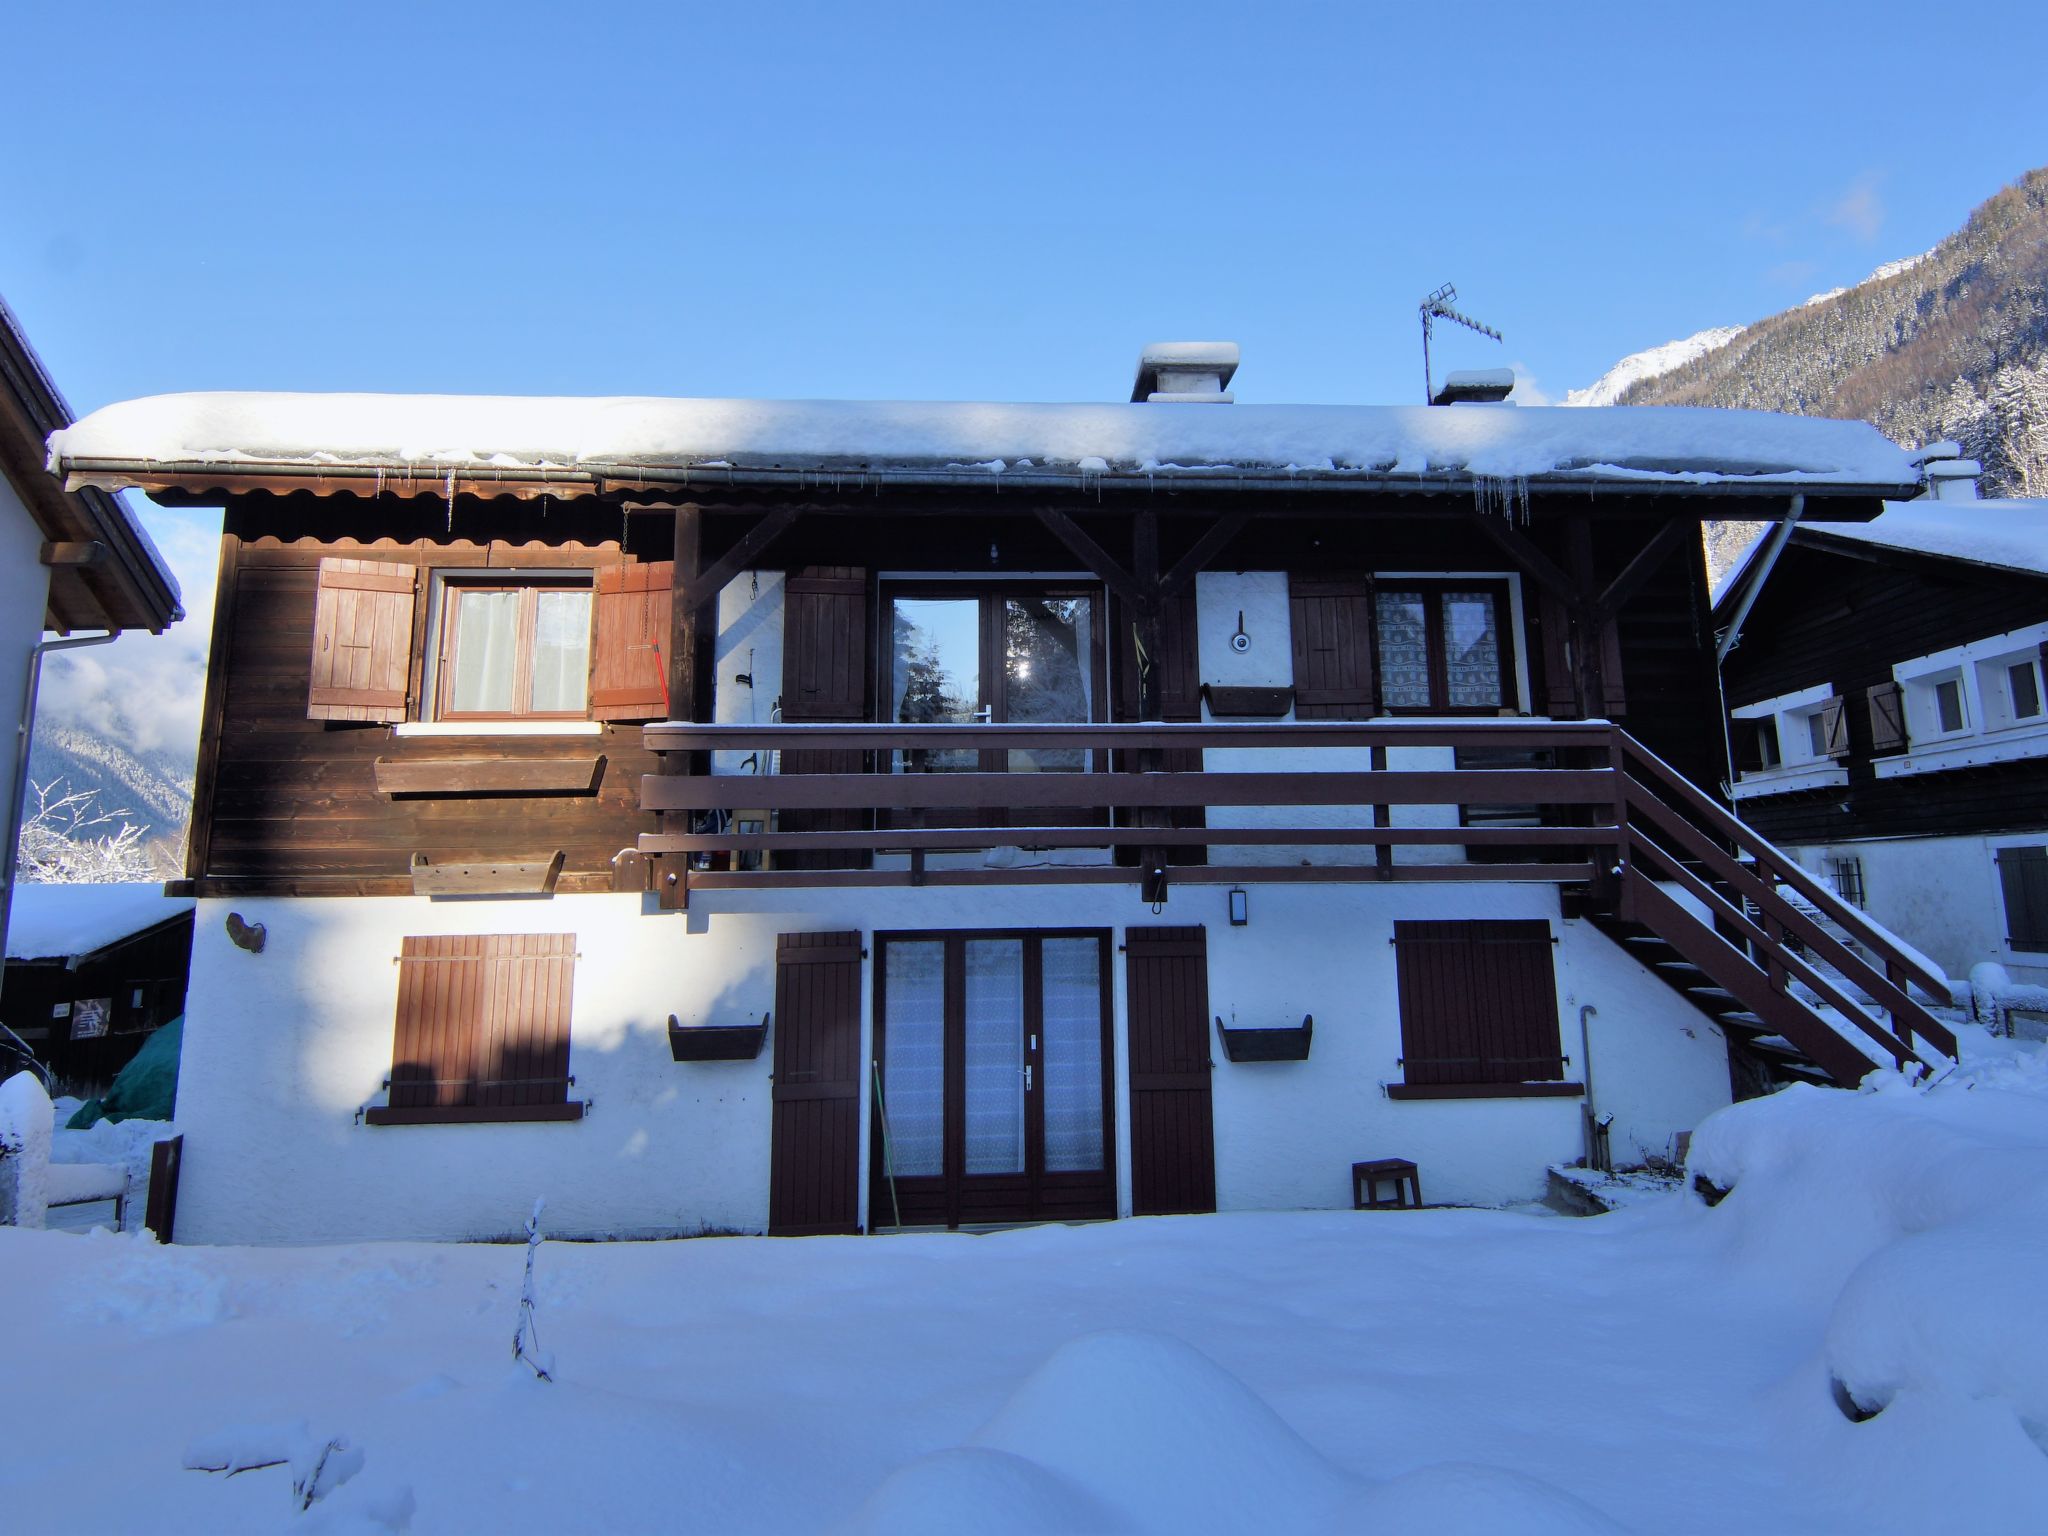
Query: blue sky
[963, 201]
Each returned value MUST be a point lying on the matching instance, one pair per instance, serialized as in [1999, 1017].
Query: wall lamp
[1240, 907]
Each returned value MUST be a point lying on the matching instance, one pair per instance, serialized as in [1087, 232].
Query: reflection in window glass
[914, 1069]
[2025, 682]
[1471, 651]
[561, 651]
[1948, 703]
[1073, 1055]
[1046, 674]
[486, 651]
[995, 1055]
[1404, 651]
[935, 670]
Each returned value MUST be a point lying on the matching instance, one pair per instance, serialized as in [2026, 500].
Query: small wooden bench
[1397, 1174]
[88, 1184]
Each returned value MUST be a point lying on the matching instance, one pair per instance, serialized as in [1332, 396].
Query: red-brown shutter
[1173, 1137]
[1331, 623]
[814, 1136]
[1887, 718]
[1834, 727]
[824, 677]
[482, 1029]
[362, 640]
[628, 631]
[1478, 1002]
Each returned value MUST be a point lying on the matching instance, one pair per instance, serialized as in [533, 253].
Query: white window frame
[1799, 766]
[1990, 733]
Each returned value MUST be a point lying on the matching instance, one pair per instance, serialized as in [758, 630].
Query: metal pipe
[24, 736]
[1753, 584]
[1591, 1108]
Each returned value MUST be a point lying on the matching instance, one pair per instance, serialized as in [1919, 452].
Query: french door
[991, 1092]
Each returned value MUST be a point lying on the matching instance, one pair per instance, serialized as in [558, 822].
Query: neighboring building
[69, 561]
[92, 972]
[1051, 766]
[1889, 722]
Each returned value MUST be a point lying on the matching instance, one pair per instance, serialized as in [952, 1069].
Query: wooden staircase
[1803, 984]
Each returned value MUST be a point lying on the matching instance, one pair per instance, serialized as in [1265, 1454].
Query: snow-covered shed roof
[568, 446]
[56, 922]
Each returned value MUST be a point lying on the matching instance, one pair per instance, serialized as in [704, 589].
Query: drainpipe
[1597, 1155]
[1754, 587]
[24, 735]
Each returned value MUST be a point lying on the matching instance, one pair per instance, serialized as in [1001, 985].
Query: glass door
[991, 1091]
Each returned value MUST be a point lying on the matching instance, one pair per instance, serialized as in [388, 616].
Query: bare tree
[67, 838]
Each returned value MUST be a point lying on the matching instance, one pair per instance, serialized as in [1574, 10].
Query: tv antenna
[1438, 307]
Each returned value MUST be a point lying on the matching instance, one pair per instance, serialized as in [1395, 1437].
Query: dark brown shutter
[628, 629]
[824, 677]
[1746, 738]
[1173, 1138]
[1887, 718]
[1478, 1002]
[1560, 688]
[814, 1155]
[2023, 880]
[1834, 727]
[1331, 624]
[1179, 662]
[1614, 699]
[362, 640]
[482, 1029]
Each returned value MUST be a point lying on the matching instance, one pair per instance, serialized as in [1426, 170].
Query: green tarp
[145, 1089]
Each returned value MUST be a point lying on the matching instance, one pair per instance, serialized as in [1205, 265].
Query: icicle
[451, 501]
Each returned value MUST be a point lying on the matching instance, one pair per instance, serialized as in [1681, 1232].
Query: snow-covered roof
[332, 441]
[53, 922]
[2009, 533]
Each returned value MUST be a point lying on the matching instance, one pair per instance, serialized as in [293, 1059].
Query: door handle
[986, 715]
[1027, 1077]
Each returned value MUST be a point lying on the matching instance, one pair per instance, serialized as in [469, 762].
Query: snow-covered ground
[1670, 1367]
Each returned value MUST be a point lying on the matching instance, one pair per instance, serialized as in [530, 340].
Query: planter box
[716, 1042]
[1284, 1044]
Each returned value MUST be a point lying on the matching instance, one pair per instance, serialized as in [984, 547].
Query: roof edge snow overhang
[1839, 500]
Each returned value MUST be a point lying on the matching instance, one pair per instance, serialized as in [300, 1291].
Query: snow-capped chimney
[1198, 372]
[1950, 476]
[1476, 386]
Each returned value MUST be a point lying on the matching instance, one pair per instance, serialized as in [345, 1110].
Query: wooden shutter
[1834, 727]
[1478, 1002]
[1560, 688]
[2023, 879]
[1331, 626]
[628, 634]
[1179, 663]
[362, 640]
[824, 677]
[1746, 739]
[482, 1029]
[814, 1157]
[1887, 718]
[1614, 700]
[1173, 1137]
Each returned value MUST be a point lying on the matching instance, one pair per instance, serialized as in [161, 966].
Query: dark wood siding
[289, 804]
[482, 1029]
[1478, 1002]
[1831, 617]
[1173, 1139]
[814, 1164]
[1331, 627]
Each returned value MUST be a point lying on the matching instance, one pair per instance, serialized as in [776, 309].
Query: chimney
[1477, 386]
[1949, 476]
[1198, 372]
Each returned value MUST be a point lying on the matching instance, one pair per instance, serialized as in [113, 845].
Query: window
[1444, 647]
[482, 1030]
[1948, 704]
[513, 648]
[1795, 741]
[1845, 874]
[1478, 1011]
[1964, 707]
[2023, 881]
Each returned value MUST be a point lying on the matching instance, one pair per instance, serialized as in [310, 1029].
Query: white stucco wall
[282, 1048]
[1941, 895]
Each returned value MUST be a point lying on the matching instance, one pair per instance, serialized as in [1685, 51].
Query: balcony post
[671, 874]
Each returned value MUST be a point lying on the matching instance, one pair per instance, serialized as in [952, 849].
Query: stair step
[1717, 994]
[1677, 966]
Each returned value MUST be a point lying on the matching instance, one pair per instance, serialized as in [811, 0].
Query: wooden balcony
[1338, 790]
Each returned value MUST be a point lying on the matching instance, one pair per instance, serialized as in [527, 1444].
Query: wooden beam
[1096, 558]
[74, 552]
[682, 638]
[1206, 548]
[1529, 559]
[710, 581]
[1642, 568]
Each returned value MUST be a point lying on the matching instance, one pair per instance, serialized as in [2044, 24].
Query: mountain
[1649, 364]
[152, 790]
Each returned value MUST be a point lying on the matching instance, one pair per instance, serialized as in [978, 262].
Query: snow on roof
[53, 922]
[582, 438]
[2010, 533]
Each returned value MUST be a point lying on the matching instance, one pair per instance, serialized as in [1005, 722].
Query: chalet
[1889, 720]
[825, 817]
[77, 563]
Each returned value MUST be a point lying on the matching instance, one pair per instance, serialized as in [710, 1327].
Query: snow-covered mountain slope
[1649, 363]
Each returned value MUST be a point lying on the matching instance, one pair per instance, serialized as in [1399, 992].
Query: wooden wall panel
[1173, 1138]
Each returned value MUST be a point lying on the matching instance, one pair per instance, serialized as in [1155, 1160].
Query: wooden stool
[1397, 1174]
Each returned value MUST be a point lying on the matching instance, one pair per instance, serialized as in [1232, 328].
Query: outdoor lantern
[1240, 907]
